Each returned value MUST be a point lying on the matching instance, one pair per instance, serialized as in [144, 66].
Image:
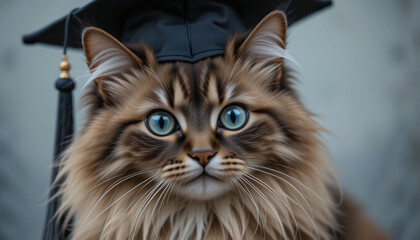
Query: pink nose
[203, 156]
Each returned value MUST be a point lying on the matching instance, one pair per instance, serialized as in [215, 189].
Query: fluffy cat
[219, 149]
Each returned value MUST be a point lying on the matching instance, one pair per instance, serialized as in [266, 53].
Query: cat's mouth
[203, 187]
[203, 177]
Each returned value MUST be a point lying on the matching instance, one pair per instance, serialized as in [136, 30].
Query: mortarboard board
[184, 30]
[175, 30]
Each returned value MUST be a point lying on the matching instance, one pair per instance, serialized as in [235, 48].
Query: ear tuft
[107, 58]
[267, 42]
[265, 46]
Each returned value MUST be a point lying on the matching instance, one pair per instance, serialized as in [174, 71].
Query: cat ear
[265, 44]
[108, 60]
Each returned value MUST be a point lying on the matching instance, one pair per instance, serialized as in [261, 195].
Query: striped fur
[123, 182]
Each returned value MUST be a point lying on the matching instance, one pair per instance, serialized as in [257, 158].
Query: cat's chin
[204, 187]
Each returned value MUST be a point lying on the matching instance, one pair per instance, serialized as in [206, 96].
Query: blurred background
[359, 71]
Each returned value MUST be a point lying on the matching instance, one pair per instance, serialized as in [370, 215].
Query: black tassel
[54, 226]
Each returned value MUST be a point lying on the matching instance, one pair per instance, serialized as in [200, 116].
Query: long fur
[123, 183]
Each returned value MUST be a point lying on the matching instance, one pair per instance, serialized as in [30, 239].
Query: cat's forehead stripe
[183, 80]
[212, 91]
[170, 94]
[206, 72]
[175, 90]
[195, 90]
[179, 93]
[189, 86]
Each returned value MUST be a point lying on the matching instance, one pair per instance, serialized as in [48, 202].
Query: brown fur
[355, 225]
[273, 170]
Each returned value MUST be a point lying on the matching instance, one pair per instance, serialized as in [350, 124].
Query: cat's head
[197, 127]
[227, 133]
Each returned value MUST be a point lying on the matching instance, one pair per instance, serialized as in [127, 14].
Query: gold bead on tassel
[65, 67]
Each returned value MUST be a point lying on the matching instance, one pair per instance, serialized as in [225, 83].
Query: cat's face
[198, 127]
[195, 129]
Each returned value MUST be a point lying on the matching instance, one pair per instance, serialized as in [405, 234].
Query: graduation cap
[176, 30]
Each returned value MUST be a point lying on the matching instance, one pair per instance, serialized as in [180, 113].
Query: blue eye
[233, 117]
[161, 123]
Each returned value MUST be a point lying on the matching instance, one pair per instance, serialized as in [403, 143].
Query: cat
[219, 149]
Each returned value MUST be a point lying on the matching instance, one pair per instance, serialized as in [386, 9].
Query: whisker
[166, 187]
[146, 202]
[340, 189]
[164, 202]
[237, 191]
[163, 185]
[125, 194]
[270, 189]
[309, 189]
[310, 218]
[107, 191]
[147, 194]
[253, 202]
[262, 195]
[290, 184]
[104, 181]
[313, 192]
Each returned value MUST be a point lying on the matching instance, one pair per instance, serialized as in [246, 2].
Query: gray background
[359, 71]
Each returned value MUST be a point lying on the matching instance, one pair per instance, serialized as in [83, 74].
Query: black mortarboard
[183, 30]
[187, 30]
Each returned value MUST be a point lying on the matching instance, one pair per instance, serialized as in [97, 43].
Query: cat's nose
[203, 156]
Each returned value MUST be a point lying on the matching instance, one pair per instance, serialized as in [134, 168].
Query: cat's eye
[161, 123]
[233, 117]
